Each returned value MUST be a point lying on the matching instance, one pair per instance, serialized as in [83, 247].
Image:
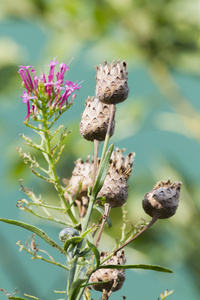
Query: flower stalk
[94, 184]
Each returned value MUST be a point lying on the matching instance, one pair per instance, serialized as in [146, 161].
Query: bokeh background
[160, 121]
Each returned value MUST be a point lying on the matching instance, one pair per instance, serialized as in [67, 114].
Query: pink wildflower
[53, 88]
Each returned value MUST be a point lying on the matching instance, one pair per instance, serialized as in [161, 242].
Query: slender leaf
[72, 241]
[34, 229]
[92, 283]
[17, 298]
[75, 288]
[91, 229]
[96, 253]
[140, 266]
[103, 170]
[32, 297]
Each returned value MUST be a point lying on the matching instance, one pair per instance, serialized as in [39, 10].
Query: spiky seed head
[95, 119]
[110, 275]
[162, 201]
[111, 82]
[81, 175]
[115, 188]
[79, 183]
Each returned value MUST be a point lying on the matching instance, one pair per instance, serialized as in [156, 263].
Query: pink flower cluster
[57, 92]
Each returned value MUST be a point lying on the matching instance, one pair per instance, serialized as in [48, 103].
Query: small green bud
[67, 233]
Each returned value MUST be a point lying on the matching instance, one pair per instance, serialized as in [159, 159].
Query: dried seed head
[82, 174]
[111, 86]
[95, 119]
[115, 277]
[81, 179]
[162, 201]
[115, 188]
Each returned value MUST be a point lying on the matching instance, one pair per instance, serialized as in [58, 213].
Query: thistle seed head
[81, 179]
[81, 175]
[111, 82]
[95, 119]
[162, 201]
[111, 275]
[115, 188]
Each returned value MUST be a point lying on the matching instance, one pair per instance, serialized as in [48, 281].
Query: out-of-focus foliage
[162, 30]
[161, 35]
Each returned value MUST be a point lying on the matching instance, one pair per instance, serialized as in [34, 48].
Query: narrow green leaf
[75, 288]
[91, 229]
[35, 230]
[140, 266]
[72, 241]
[96, 253]
[85, 252]
[32, 297]
[16, 298]
[103, 170]
[92, 283]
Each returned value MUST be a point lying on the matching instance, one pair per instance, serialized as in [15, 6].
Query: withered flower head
[162, 201]
[115, 188]
[95, 119]
[111, 82]
[111, 275]
[82, 174]
[81, 179]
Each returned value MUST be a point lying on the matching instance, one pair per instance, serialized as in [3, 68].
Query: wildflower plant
[96, 184]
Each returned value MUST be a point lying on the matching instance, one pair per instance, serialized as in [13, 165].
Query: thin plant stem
[107, 209]
[96, 147]
[112, 112]
[154, 219]
[52, 172]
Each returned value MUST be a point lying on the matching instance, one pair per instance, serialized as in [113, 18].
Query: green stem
[50, 160]
[154, 219]
[88, 214]
[112, 112]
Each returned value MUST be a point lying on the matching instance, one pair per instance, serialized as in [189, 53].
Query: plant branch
[154, 219]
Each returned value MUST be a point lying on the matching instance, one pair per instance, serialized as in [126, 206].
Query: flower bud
[67, 232]
[115, 188]
[110, 275]
[162, 201]
[95, 119]
[112, 86]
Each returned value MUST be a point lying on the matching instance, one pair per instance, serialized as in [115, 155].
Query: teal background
[163, 134]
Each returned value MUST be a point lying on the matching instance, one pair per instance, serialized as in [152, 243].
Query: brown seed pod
[115, 188]
[115, 277]
[162, 201]
[95, 119]
[81, 175]
[111, 82]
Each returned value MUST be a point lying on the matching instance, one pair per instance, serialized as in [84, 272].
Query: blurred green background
[160, 121]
